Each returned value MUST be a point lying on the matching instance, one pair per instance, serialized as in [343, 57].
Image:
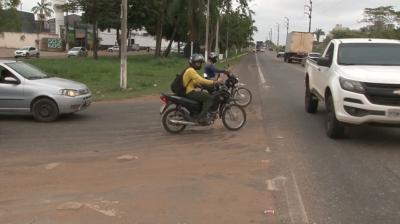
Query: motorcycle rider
[192, 81]
[213, 73]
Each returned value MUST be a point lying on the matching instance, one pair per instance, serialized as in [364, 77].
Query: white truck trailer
[298, 45]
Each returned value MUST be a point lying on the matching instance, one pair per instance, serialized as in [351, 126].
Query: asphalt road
[352, 180]
[280, 168]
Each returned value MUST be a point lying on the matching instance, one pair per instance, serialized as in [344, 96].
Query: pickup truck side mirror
[11, 80]
[325, 62]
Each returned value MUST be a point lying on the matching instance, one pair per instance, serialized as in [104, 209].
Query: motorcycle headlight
[69, 92]
[351, 85]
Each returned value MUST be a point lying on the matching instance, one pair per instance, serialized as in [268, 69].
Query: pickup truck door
[321, 75]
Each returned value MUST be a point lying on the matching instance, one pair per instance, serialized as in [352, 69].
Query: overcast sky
[326, 14]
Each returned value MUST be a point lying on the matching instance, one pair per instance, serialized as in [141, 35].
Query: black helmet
[196, 61]
[213, 57]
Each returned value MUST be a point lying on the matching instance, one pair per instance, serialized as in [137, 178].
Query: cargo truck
[260, 46]
[298, 45]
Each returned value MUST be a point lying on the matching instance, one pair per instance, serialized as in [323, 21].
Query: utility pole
[277, 44]
[309, 9]
[287, 27]
[207, 29]
[227, 35]
[124, 29]
[270, 35]
[217, 39]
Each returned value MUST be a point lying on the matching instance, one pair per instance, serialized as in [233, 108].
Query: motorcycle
[240, 94]
[179, 112]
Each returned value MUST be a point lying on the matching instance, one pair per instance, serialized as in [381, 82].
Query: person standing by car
[192, 81]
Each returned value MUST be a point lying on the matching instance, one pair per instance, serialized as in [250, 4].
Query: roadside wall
[18, 40]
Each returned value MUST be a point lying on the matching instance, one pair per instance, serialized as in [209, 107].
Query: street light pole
[207, 29]
[287, 27]
[124, 29]
[309, 13]
[278, 36]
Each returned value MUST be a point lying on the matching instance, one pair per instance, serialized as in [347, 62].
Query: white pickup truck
[359, 81]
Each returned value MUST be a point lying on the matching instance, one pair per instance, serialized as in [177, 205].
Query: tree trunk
[95, 56]
[119, 43]
[159, 31]
[168, 50]
[66, 32]
[179, 47]
[94, 19]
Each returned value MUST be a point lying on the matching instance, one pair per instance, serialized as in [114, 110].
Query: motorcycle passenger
[192, 80]
[211, 70]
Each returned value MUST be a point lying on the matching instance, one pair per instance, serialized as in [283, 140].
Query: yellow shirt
[196, 80]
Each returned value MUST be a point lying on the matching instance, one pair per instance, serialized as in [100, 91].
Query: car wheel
[311, 101]
[45, 110]
[37, 55]
[334, 128]
[27, 55]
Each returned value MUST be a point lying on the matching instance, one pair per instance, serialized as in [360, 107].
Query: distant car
[280, 54]
[28, 90]
[27, 52]
[135, 47]
[312, 56]
[113, 49]
[77, 51]
[262, 49]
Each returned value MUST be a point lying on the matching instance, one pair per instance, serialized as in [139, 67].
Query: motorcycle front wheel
[242, 97]
[234, 117]
[168, 116]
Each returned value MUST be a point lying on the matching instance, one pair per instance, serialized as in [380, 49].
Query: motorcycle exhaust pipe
[182, 122]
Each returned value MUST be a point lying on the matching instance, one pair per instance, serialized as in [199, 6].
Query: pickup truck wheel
[311, 101]
[334, 128]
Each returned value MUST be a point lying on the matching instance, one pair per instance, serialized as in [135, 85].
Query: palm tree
[43, 10]
[319, 33]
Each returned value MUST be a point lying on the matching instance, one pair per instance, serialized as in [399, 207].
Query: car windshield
[378, 54]
[28, 71]
[76, 49]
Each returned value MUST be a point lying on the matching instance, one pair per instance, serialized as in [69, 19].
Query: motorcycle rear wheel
[172, 114]
[234, 117]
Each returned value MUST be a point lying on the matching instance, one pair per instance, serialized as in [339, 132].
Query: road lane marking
[260, 73]
[297, 211]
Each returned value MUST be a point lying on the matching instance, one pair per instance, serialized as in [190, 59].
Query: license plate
[162, 108]
[394, 113]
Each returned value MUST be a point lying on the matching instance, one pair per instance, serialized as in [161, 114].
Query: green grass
[146, 75]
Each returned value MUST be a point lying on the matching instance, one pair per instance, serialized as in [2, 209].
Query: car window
[26, 70]
[4, 73]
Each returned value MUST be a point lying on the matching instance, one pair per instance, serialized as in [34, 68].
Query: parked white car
[27, 52]
[359, 81]
[113, 49]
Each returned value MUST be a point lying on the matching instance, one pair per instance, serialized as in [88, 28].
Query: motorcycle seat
[182, 100]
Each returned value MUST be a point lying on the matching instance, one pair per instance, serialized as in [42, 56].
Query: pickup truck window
[373, 54]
